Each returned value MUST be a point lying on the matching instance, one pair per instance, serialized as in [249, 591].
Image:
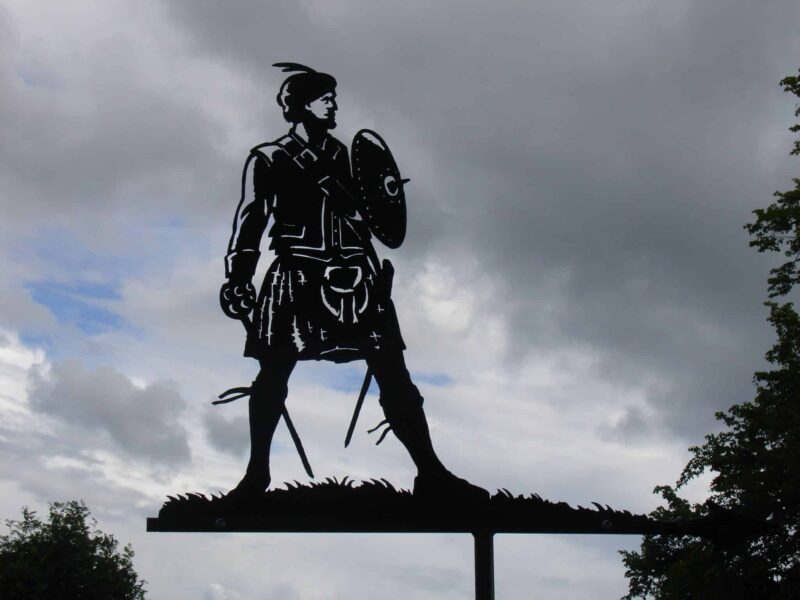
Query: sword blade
[297, 443]
[359, 403]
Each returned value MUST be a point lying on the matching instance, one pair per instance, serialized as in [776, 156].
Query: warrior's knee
[269, 388]
[401, 397]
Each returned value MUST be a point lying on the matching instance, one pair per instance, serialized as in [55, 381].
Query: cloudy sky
[576, 290]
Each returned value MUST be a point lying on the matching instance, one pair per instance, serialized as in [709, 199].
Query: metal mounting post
[484, 564]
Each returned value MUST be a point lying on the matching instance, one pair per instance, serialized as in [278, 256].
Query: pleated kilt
[336, 309]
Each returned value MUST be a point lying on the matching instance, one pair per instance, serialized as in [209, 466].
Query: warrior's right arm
[250, 220]
[238, 295]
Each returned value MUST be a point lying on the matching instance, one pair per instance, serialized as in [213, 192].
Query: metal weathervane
[327, 296]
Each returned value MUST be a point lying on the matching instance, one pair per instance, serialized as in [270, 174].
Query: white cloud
[144, 422]
[217, 592]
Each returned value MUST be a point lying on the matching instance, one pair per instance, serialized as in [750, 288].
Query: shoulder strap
[303, 157]
[316, 165]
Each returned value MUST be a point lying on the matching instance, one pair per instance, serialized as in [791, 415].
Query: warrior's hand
[237, 298]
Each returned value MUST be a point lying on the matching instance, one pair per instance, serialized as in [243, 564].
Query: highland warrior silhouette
[325, 296]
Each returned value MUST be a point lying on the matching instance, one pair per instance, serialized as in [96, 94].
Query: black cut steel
[243, 392]
[359, 403]
[379, 187]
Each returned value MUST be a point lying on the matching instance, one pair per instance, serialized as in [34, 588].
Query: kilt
[338, 309]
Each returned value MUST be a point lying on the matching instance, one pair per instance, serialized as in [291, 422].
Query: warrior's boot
[265, 407]
[407, 419]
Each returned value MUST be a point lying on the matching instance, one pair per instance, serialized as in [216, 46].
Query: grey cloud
[54, 466]
[434, 579]
[100, 137]
[632, 425]
[143, 422]
[617, 152]
[227, 435]
[18, 310]
[218, 592]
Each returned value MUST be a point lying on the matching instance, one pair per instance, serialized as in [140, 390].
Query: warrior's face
[323, 110]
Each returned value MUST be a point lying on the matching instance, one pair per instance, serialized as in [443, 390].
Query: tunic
[325, 296]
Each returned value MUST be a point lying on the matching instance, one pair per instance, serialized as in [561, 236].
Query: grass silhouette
[376, 505]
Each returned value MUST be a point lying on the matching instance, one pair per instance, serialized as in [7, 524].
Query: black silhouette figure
[325, 296]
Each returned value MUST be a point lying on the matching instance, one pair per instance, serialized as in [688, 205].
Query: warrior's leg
[269, 391]
[402, 405]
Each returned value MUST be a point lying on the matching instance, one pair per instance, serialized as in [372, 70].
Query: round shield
[379, 187]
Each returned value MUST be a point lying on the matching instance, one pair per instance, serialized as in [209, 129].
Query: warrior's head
[308, 96]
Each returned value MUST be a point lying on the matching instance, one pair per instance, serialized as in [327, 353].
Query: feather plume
[288, 67]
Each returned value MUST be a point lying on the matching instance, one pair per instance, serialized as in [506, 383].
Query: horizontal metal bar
[370, 525]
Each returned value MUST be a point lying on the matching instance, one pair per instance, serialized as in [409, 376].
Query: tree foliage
[755, 460]
[65, 558]
[777, 227]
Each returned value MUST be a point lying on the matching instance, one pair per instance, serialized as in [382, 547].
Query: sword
[359, 403]
[240, 392]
